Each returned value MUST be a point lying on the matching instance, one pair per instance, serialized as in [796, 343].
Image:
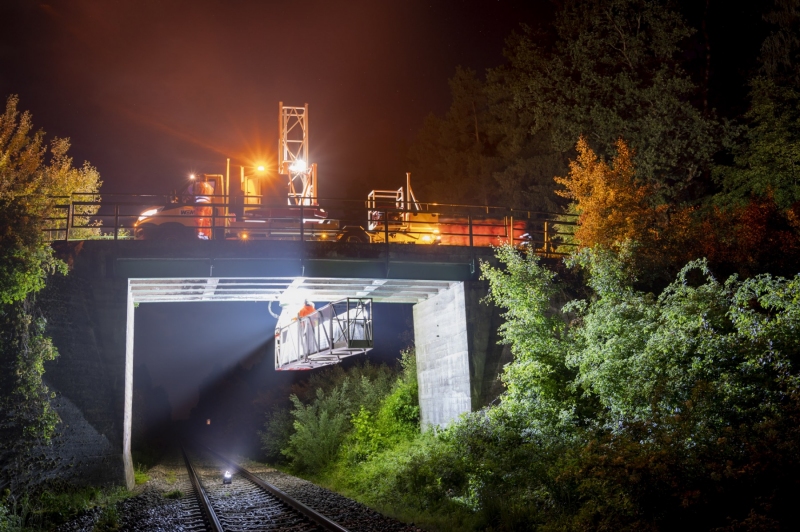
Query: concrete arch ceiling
[282, 289]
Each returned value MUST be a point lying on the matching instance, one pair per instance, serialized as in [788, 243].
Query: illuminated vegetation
[664, 394]
[31, 173]
[627, 410]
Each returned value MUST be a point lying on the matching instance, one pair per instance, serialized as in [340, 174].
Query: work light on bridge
[298, 166]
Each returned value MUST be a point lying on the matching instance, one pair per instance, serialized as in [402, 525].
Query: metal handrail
[88, 215]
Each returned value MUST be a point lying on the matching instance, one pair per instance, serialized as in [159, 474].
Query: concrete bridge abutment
[458, 357]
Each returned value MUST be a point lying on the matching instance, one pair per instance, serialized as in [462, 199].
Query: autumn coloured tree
[612, 207]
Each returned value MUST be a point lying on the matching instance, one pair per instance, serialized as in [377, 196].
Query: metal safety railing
[337, 330]
[129, 216]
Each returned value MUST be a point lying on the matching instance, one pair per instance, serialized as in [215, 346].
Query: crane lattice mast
[293, 155]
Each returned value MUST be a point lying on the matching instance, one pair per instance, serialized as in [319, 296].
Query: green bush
[321, 421]
[278, 428]
[623, 411]
[635, 411]
[140, 474]
[319, 429]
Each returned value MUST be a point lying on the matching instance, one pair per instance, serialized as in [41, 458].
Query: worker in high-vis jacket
[307, 328]
[307, 310]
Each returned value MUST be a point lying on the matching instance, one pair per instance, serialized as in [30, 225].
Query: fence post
[302, 228]
[386, 240]
[546, 240]
[69, 220]
[116, 220]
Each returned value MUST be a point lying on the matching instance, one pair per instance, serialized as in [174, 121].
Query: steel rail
[298, 506]
[202, 497]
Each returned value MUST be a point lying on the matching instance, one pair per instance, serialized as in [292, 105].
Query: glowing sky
[152, 90]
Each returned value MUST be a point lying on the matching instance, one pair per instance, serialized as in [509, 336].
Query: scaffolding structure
[336, 331]
[293, 155]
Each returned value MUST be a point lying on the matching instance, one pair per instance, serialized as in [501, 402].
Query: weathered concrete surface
[458, 358]
[442, 349]
[86, 313]
[78, 454]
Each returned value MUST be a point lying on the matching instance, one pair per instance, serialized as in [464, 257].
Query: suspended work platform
[336, 331]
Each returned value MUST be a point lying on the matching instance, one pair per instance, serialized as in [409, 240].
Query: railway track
[247, 503]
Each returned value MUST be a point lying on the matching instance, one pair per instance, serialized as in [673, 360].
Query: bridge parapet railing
[336, 331]
[138, 216]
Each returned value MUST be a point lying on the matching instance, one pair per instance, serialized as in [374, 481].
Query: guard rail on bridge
[119, 217]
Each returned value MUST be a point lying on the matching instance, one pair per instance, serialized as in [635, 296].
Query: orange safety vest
[306, 311]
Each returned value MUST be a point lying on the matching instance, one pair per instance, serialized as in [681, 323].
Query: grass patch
[389, 482]
[140, 474]
[174, 494]
[170, 477]
[55, 507]
[109, 520]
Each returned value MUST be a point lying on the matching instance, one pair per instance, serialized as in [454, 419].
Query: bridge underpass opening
[249, 300]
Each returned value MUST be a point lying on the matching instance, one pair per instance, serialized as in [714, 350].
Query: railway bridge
[92, 314]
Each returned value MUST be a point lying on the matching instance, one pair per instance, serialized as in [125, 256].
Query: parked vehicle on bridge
[200, 211]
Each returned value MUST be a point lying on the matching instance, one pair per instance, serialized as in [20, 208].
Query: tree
[766, 160]
[607, 69]
[31, 177]
[614, 71]
[612, 207]
[780, 51]
[617, 212]
[452, 158]
[30, 182]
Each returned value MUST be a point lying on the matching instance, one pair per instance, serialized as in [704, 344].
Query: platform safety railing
[120, 217]
[336, 331]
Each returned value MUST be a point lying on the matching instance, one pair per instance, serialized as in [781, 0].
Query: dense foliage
[363, 409]
[606, 69]
[626, 410]
[30, 181]
[32, 175]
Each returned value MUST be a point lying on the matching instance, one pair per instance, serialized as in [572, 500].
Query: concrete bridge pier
[458, 358]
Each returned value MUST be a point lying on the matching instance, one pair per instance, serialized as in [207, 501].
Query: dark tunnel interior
[206, 370]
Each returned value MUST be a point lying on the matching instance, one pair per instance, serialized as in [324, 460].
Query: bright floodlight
[299, 165]
[260, 168]
[191, 176]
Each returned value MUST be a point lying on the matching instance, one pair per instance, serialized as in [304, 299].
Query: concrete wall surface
[86, 318]
[442, 349]
[458, 357]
